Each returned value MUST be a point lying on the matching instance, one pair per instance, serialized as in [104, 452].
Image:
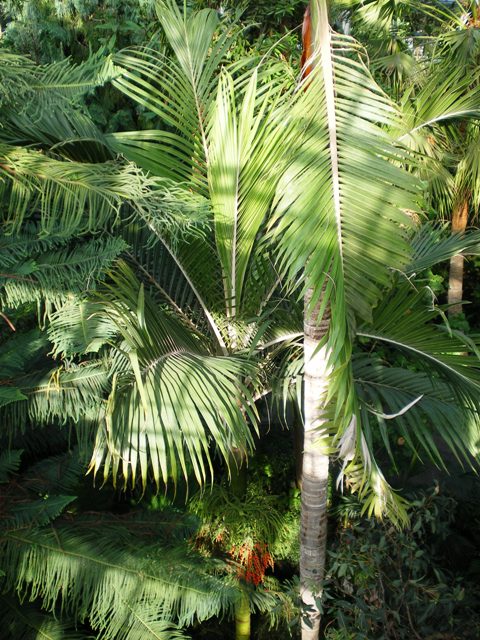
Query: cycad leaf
[102, 574]
[38, 512]
[84, 197]
[27, 622]
[9, 463]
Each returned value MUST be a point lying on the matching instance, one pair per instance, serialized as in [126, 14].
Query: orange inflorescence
[254, 561]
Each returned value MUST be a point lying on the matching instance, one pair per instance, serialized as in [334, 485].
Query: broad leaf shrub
[401, 585]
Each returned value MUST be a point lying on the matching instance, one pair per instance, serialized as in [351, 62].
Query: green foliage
[230, 521]
[27, 622]
[383, 583]
[9, 462]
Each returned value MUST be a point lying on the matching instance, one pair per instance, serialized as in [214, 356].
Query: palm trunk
[313, 532]
[298, 437]
[238, 486]
[242, 618]
[455, 281]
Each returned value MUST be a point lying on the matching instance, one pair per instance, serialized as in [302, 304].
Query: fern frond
[53, 277]
[27, 622]
[84, 197]
[9, 463]
[37, 512]
[94, 577]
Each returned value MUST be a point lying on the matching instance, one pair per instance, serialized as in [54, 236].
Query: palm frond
[178, 89]
[341, 216]
[77, 327]
[433, 410]
[62, 129]
[160, 267]
[70, 394]
[170, 400]
[246, 141]
[434, 243]
[437, 393]
[405, 321]
[60, 473]
[441, 94]
[341, 209]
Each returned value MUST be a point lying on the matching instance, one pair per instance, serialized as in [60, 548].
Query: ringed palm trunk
[455, 281]
[313, 530]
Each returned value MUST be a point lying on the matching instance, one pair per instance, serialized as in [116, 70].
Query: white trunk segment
[313, 532]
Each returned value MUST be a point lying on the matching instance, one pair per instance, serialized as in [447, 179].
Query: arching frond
[27, 622]
[246, 144]
[405, 322]
[341, 208]
[77, 328]
[165, 267]
[63, 129]
[72, 394]
[178, 89]
[341, 213]
[52, 277]
[170, 400]
[106, 575]
[86, 197]
[432, 244]
[438, 394]
[9, 463]
[433, 410]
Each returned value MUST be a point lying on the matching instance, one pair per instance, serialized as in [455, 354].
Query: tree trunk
[238, 486]
[313, 532]
[242, 618]
[455, 281]
[298, 437]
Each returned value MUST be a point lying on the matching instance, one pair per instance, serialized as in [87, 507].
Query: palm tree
[60, 182]
[347, 237]
[343, 216]
[427, 83]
